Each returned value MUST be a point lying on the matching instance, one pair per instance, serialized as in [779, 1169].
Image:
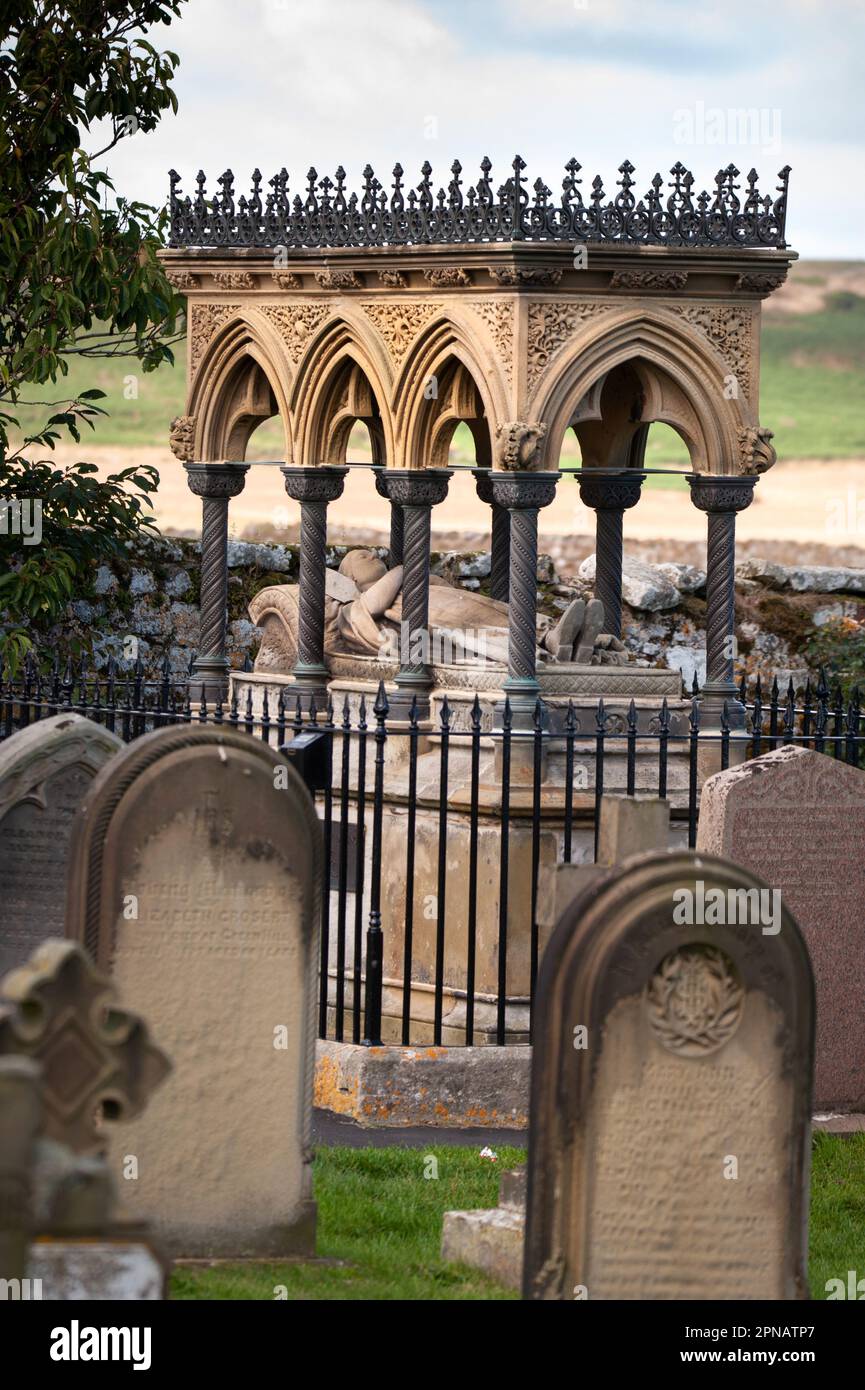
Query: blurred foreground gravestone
[797, 818]
[70, 1058]
[195, 881]
[671, 1090]
[45, 772]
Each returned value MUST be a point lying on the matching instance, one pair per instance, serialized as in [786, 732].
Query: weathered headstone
[195, 880]
[797, 818]
[671, 1089]
[45, 772]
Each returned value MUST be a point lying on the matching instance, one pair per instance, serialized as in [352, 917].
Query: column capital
[611, 492]
[523, 491]
[484, 485]
[323, 484]
[714, 493]
[216, 479]
[414, 487]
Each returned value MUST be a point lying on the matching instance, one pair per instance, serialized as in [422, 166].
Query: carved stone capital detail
[323, 484]
[517, 445]
[712, 493]
[181, 437]
[519, 491]
[393, 279]
[414, 487]
[605, 493]
[216, 479]
[286, 280]
[756, 454]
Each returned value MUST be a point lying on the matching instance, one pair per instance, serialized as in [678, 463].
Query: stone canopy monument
[196, 880]
[671, 1092]
[45, 773]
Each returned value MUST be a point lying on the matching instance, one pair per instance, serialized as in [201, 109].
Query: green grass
[380, 1222]
[381, 1219]
[811, 389]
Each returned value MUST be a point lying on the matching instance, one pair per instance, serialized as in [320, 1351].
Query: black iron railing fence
[670, 213]
[347, 754]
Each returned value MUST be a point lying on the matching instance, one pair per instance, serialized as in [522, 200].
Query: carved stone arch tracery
[241, 378]
[628, 369]
[446, 378]
[343, 376]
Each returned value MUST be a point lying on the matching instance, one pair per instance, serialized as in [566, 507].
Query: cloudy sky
[323, 82]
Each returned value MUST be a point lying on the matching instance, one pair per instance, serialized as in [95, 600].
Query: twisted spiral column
[414, 492]
[215, 484]
[397, 523]
[610, 495]
[500, 538]
[313, 488]
[522, 495]
[721, 498]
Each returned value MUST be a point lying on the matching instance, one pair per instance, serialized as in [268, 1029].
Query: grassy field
[811, 385]
[380, 1226]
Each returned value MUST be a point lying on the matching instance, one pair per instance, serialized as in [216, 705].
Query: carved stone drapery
[610, 496]
[313, 488]
[415, 492]
[721, 499]
[215, 484]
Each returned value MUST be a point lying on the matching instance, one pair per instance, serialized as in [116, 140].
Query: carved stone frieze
[183, 280]
[498, 316]
[552, 324]
[400, 322]
[761, 282]
[339, 279]
[286, 280]
[648, 280]
[234, 280]
[526, 277]
[729, 330]
[296, 324]
[447, 277]
[204, 321]
[393, 279]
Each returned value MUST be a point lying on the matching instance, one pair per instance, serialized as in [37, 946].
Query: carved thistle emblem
[694, 1001]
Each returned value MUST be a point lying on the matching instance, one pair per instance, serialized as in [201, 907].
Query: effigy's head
[363, 567]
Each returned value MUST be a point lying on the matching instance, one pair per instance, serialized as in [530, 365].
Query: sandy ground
[799, 503]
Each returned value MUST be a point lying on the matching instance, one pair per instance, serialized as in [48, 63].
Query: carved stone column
[215, 484]
[721, 498]
[313, 488]
[415, 492]
[610, 495]
[396, 522]
[500, 539]
[522, 495]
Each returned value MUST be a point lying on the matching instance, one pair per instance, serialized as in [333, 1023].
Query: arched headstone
[45, 773]
[195, 881]
[671, 1091]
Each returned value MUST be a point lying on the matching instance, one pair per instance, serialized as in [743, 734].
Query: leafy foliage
[79, 275]
[839, 648]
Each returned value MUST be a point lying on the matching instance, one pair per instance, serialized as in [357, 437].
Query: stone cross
[95, 1057]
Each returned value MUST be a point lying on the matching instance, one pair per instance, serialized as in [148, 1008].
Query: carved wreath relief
[694, 1001]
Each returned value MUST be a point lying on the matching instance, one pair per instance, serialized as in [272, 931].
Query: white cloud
[335, 81]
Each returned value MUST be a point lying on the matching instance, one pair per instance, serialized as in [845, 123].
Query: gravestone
[195, 881]
[72, 1061]
[671, 1079]
[45, 771]
[797, 818]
